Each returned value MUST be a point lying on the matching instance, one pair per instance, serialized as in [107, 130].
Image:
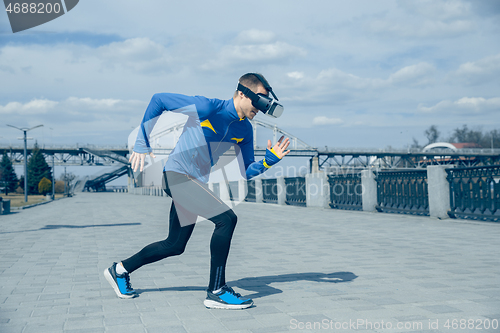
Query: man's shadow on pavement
[261, 284]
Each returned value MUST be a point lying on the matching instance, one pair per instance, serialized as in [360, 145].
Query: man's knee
[232, 217]
[225, 223]
[172, 249]
[178, 250]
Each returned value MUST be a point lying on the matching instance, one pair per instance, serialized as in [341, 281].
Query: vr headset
[261, 102]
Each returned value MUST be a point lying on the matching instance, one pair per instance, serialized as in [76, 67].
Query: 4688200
[471, 324]
[33, 8]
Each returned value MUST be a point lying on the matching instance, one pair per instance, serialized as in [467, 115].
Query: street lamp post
[53, 177]
[25, 130]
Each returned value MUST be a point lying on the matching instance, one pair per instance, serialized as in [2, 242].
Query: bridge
[327, 157]
[66, 155]
[406, 158]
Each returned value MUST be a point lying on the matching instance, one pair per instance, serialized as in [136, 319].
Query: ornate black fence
[295, 191]
[251, 191]
[270, 190]
[475, 193]
[233, 190]
[402, 192]
[346, 191]
[216, 189]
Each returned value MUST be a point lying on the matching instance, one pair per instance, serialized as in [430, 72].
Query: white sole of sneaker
[111, 281]
[216, 305]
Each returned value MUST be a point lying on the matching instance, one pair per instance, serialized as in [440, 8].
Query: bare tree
[415, 144]
[432, 134]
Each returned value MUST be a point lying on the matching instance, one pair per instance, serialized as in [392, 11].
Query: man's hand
[280, 146]
[137, 159]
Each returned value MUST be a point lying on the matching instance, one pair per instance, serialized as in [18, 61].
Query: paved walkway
[306, 269]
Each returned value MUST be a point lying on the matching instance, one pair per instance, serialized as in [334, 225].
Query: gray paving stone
[171, 329]
[123, 320]
[272, 329]
[242, 324]
[72, 323]
[441, 309]
[49, 328]
[125, 328]
[296, 263]
[86, 330]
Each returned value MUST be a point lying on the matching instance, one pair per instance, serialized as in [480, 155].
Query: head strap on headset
[266, 85]
[247, 92]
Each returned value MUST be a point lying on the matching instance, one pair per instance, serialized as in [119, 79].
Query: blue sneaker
[226, 298]
[120, 283]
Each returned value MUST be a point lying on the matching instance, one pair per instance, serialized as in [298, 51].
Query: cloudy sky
[358, 73]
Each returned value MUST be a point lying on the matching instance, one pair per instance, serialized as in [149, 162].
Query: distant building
[451, 146]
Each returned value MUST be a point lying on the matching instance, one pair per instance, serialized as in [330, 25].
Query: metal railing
[475, 193]
[270, 190]
[233, 190]
[154, 191]
[251, 191]
[346, 191]
[118, 189]
[295, 188]
[402, 192]
[216, 189]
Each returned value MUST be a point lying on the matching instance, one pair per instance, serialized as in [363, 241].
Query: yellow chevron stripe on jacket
[206, 123]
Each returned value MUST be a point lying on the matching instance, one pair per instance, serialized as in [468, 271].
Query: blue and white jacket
[212, 125]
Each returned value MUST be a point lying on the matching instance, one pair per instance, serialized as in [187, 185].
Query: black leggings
[190, 199]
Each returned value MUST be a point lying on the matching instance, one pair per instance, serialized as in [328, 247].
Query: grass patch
[17, 200]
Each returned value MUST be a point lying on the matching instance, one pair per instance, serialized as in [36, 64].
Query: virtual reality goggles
[261, 102]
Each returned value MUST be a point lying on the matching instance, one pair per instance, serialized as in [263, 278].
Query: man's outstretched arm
[273, 156]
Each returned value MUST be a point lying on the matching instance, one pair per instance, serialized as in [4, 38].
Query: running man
[213, 126]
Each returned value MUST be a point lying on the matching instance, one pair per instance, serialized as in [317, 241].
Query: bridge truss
[395, 159]
[71, 156]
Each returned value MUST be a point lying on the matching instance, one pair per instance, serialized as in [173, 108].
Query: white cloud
[138, 49]
[254, 47]
[138, 54]
[322, 120]
[437, 9]
[481, 71]
[336, 77]
[254, 36]
[427, 19]
[262, 52]
[333, 86]
[95, 104]
[76, 114]
[465, 106]
[425, 29]
[296, 75]
[34, 107]
[414, 75]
